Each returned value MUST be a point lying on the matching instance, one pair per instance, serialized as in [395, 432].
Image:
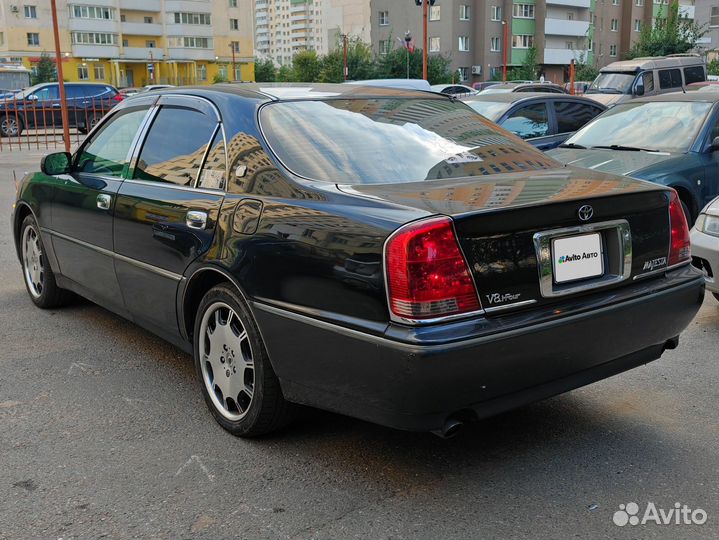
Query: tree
[360, 62]
[670, 35]
[393, 65]
[528, 70]
[285, 74]
[219, 78]
[265, 70]
[713, 67]
[306, 67]
[45, 71]
[583, 70]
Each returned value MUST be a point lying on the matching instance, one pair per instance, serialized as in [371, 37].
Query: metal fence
[27, 124]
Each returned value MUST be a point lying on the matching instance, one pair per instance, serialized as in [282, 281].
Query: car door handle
[103, 201]
[196, 219]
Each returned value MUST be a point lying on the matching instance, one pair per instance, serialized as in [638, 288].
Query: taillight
[427, 276]
[679, 248]
[117, 97]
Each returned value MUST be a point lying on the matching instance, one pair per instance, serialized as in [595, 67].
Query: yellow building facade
[134, 42]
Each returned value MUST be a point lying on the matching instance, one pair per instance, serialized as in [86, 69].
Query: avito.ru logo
[628, 514]
[574, 257]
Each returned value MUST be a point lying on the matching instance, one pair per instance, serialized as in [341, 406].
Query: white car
[456, 90]
[705, 245]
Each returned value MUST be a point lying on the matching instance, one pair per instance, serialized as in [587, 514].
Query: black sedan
[385, 254]
[543, 120]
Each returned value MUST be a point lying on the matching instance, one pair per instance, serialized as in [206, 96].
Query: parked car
[149, 87]
[543, 120]
[381, 253]
[405, 84]
[623, 81]
[129, 91]
[580, 87]
[524, 87]
[706, 86]
[671, 140]
[38, 107]
[479, 86]
[705, 245]
[456, 90]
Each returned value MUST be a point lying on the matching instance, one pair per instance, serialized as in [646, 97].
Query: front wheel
[38, 276]
[10, 126]
[238, 383]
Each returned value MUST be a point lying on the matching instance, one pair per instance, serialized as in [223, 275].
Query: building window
[637, 25]
[496, 13]
[234, 24]
[590, 44]
[494, 44]
[569, 45]
[384, 18]
[615, 2]
[524, 11]
[384, 46]
[235, 46]
[612, 50]
[93, 38]
[523, 41]
[714, 19]
[233, 3]
[570, 15]
[150, 43]
[92, 12]
[192, 18]
[147, 20]
[434, 44]
[463, 43]
[99, 72]
[639, 3]
[434, 13]
[614, 26]
[30, 12]
[33, 39]
[125, 42]
[463, 74]
[83, 73]
[201, 72]
[2, 38]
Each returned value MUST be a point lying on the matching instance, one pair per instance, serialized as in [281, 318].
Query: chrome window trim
[542, 247]
[175, 186]
[149, 267]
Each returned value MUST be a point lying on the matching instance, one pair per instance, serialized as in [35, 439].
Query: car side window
[694, 74]
[648, 80]
[47, 93]
[670, 78]
[573, 115]
[215, 166]
[529, 121]
[175, 146]
[74, 93]
[106, 153]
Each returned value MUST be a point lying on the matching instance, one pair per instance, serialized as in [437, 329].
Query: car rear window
[694, 74]
[391, 140]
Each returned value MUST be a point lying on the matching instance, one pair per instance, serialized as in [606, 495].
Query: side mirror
[57, 163]
[715, 145]
[33, 97]
[639, 90]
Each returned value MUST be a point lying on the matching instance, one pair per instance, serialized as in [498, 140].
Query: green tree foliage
[306, 66]
[285, 74]
[713, 67]
[264, 70]
[219, 78]
[360, 62]
[670, 35]
[528, 70]
[46, 71]
[583, 70]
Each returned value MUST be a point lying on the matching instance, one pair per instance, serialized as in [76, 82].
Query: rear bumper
[705, 252]
[415, 378]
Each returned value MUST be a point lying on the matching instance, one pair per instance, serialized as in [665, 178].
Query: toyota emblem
[586, 212]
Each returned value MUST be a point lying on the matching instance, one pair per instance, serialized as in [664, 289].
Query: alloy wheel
[8, 126]
[33, 262]
[226, 361]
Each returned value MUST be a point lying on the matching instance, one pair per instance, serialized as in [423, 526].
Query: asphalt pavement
[104, 434]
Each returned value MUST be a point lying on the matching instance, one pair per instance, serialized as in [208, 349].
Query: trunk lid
[507, 226]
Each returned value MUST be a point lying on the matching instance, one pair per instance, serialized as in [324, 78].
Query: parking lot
[104, 433]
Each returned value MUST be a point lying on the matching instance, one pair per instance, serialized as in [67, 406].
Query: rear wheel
[38, 276]
[10, 126]
[238, 383]
[92, 121]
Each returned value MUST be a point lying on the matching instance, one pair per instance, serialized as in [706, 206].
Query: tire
[245, 396]
[86, 128]
[10, 125]
[38, 276]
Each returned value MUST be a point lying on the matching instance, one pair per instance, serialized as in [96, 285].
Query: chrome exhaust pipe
[451, 427]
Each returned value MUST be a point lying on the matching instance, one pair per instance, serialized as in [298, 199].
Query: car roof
[513, 97]
[709, 97]
[300, 91]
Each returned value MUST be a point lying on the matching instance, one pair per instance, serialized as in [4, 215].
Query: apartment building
[707, 13]
[133, 42]
[285, 27]
[472, 32]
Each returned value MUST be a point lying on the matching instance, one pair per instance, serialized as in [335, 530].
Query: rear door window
[670, 78]
[694, 74]
[573, 115]
[529, 121]
[47, 93]
[175, 146]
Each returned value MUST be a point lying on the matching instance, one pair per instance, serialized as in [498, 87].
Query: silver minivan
[622, 81]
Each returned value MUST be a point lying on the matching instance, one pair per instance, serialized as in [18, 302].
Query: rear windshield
[392, 140]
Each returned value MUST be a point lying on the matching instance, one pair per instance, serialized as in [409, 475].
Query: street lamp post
[505, 29]
[425, 11]
[407, 40]
[345, 71]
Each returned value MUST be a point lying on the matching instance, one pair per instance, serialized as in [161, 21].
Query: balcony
[562, 56]
[93, 25]
[196, 30]
[140, 5]
[141, 53]
[563, 27]
[95, 51]
[141, 29]
[570, 3]
[191, 54]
